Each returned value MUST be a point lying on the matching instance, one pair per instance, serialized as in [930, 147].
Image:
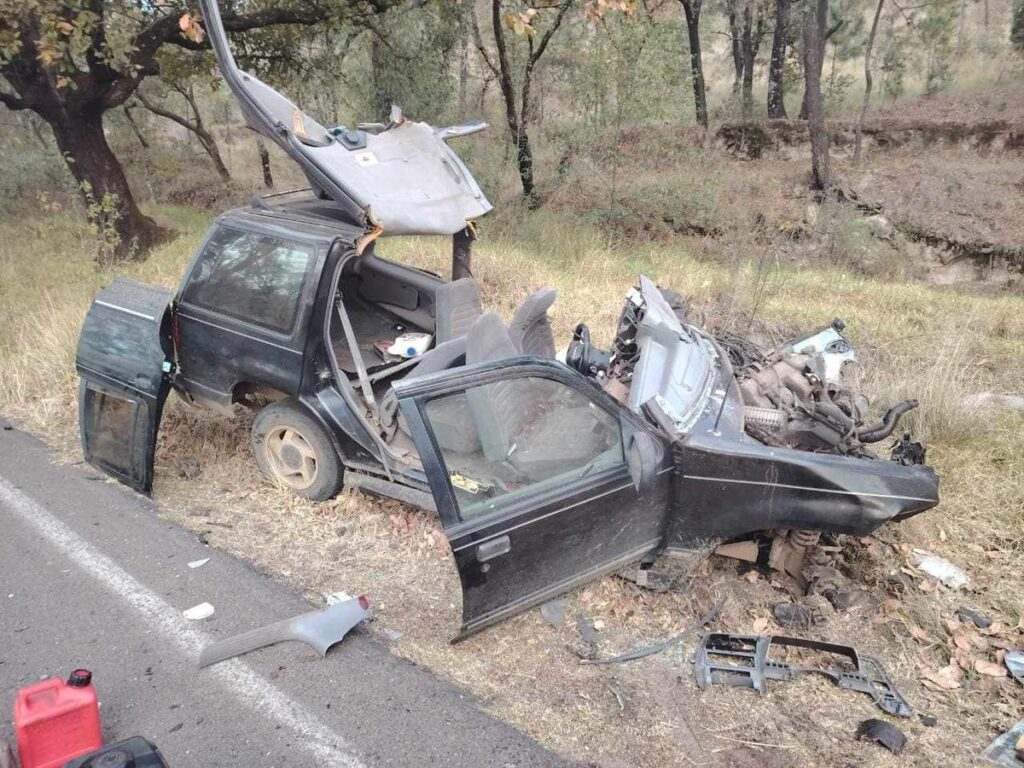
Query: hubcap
[292, 458]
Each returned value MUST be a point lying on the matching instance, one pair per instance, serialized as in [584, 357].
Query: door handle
[493, 548]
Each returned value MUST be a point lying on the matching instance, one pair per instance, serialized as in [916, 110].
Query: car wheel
[296, 452]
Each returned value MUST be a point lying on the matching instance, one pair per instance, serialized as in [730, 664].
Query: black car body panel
[530, 547]
[124, 359]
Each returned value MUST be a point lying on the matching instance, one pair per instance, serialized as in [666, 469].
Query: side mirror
[643, 458]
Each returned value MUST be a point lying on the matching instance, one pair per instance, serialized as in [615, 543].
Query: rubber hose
[888, 423]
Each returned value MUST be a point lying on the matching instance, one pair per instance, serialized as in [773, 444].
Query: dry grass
[929, 342]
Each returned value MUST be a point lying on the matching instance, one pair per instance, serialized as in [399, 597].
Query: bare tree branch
[478, 40]
[546, 37]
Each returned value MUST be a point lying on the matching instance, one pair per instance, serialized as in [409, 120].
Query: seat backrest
[457, 306]
[498, 409]
[440, 358]
[530, 329]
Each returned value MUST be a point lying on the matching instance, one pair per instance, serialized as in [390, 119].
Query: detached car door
[527, 462]
[124, 359]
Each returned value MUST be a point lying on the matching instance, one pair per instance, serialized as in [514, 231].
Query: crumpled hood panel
[406, 179]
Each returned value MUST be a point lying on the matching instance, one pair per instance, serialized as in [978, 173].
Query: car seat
[456, 306]
[520, 421]
[530, 329]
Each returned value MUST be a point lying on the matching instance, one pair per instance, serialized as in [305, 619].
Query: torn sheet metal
[403, 176]
[317, 629]
[744, 660]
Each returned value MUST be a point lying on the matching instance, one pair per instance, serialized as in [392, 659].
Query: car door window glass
[253, 277]
[520, 435]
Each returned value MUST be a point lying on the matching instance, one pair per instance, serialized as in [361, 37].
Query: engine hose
[888, 423]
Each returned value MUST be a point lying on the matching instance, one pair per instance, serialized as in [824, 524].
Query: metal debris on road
[199, 563]
[317, 629]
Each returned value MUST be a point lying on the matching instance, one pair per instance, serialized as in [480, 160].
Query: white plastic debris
[198, 612]
[939, 568]
[333, 598]
[199, 563]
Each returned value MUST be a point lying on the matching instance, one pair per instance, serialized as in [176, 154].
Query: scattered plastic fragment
[1008, 750]
[317, 629]
[199, 563]
[939, 568]
[198, 612]
[746, 661]
[333, 598]
[553, 611]
[886, 734]
[792, 615]
[980, 620]
[1014, 661]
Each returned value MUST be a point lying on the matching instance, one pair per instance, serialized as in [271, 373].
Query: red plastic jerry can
[55, 721]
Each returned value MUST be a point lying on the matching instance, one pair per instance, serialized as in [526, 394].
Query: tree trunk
[750, 42]
[516, 121]
[700, 103]
[776, 91]
[124, 231]
[868, 81]
[813, 40]
[268, 178]
[735, 33]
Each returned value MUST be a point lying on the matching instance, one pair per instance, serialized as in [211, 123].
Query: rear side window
[250, 276]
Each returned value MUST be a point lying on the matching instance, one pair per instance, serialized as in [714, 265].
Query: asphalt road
[91, 577]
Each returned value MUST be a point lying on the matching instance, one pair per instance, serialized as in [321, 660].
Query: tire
[295, 452]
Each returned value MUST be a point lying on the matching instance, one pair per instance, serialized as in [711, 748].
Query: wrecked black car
[545, 474]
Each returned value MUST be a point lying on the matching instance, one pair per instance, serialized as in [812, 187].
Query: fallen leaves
[190, 27]
[945, 679]
[990, 668]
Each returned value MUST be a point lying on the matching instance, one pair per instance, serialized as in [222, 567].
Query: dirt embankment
[754, 140]
[991, 120]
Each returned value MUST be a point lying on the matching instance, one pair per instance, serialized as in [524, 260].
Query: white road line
[244, 684]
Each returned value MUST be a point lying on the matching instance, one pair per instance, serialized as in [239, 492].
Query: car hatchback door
[530, 467]
[124, 359]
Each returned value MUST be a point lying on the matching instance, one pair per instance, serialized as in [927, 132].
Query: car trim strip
[503, 531]
[238, 332]
[125, 310]
[804, 488]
